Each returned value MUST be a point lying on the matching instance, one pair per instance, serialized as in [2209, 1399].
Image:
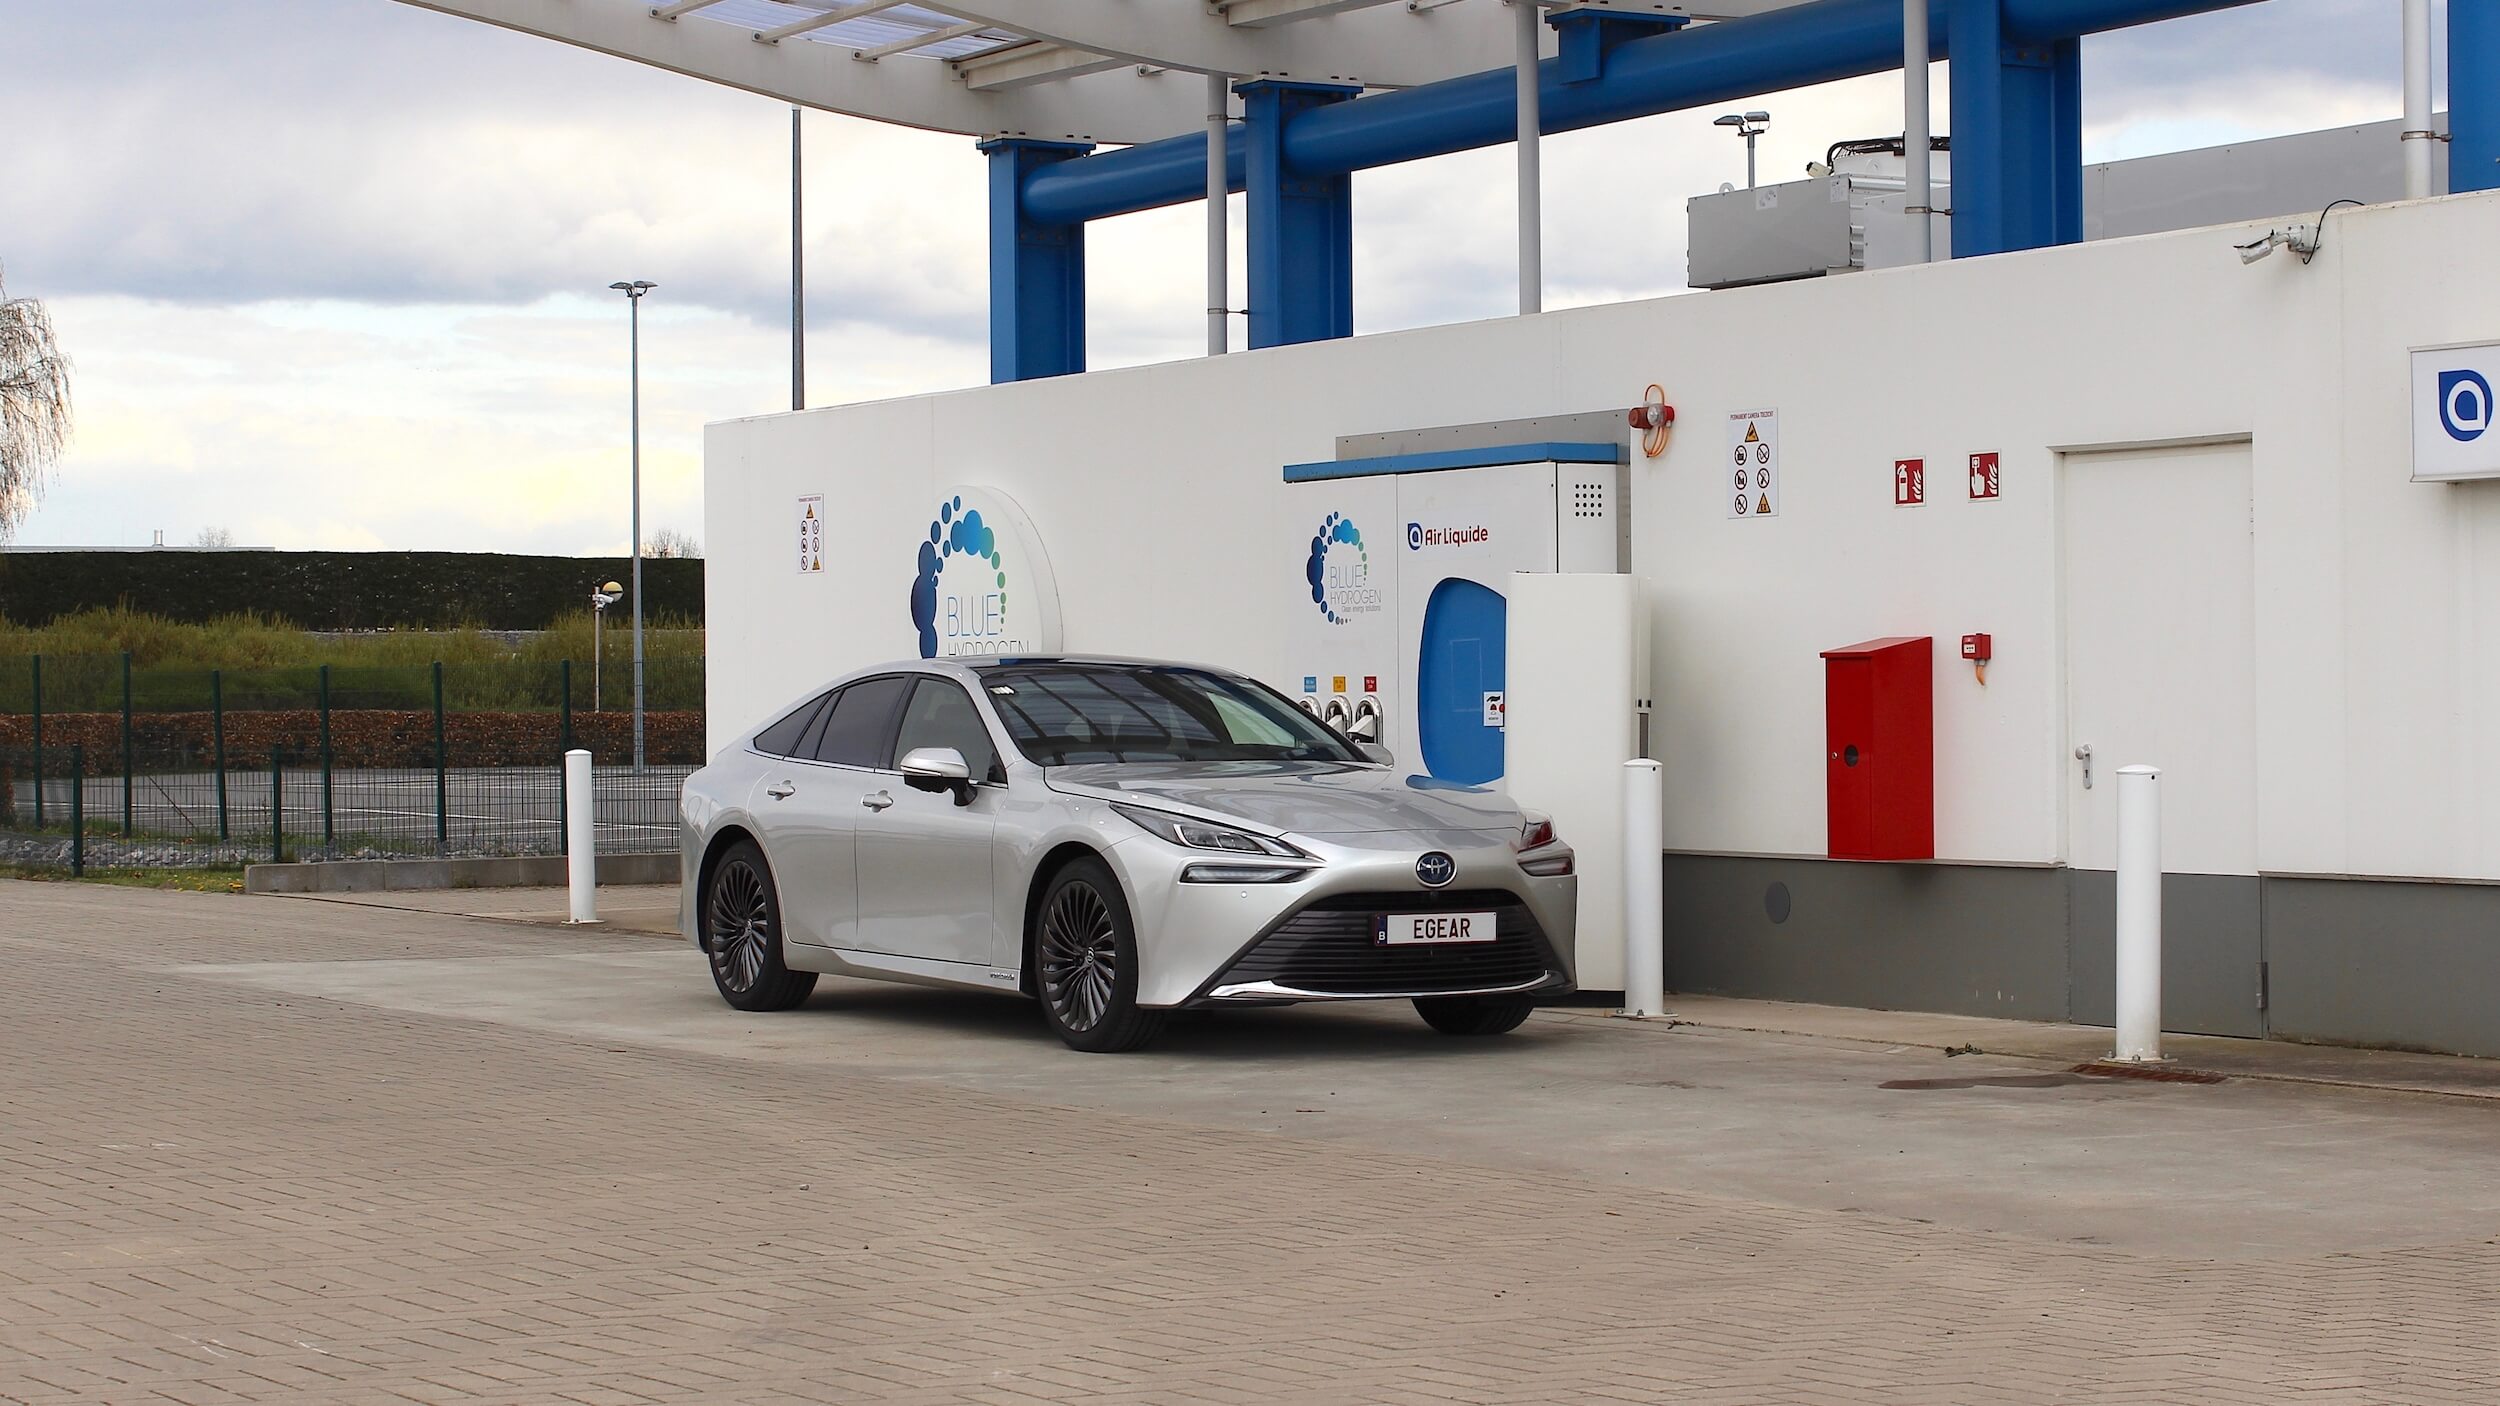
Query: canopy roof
[1077, 70]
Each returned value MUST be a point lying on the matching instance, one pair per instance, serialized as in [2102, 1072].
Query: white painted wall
[2377, 600]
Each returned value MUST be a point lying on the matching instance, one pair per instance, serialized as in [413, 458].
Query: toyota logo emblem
[1436, 869]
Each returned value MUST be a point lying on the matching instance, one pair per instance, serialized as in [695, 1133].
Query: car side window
[782, 738]
[806, 749]
[942, 715]
[860, 722]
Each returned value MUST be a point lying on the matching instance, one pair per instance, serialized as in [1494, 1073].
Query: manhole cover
[1986, 1081]
[2154, 1073]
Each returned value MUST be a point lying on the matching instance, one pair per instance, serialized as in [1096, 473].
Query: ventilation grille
[1588, 500]
[1329, 947]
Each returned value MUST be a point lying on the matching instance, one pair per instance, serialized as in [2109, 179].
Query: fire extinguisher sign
[1753, 464]
[1909, 482]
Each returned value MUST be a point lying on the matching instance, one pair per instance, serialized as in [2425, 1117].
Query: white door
[2159, 593]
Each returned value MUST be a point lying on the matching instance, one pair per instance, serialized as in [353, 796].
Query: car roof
[1115, 661]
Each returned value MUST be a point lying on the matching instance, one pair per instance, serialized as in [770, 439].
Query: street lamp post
[601, 597]
[633, 300]
[1748, 125]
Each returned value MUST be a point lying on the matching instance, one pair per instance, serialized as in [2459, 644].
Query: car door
[926, 863]
[809, 808]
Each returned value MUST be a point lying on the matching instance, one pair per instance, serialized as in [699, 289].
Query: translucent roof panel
[898, 25]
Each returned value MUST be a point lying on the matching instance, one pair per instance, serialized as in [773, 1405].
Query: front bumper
[1328, 951]
[1311, 940]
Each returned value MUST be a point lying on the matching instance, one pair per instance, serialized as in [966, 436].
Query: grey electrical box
[1798, 229]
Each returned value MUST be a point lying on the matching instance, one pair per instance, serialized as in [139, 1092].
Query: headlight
[1204, 834]
[1541, 852]
[1243, 873]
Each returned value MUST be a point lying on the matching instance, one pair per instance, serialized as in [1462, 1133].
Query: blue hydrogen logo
[1339, 571]
[958, 533]
[2464, 405]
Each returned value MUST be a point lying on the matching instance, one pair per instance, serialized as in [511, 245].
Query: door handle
[781, 790]
[877, 800]
[2083, 754]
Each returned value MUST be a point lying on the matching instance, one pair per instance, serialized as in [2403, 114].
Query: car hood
[1308, 798]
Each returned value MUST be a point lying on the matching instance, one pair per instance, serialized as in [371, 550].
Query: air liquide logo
[1418, 536]
[2464, 405]
[1340, 571]
[983, 585]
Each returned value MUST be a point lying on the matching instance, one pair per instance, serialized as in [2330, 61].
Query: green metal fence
[105, 764]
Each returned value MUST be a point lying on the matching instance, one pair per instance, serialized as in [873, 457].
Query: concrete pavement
[272, 1149]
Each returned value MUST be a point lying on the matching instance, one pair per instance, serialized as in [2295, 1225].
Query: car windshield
[1067, 714]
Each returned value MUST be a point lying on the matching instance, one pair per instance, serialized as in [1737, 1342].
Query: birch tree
[34, 405]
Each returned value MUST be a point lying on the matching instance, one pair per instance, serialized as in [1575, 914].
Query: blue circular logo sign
[1435, 869]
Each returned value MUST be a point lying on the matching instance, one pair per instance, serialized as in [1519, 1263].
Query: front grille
[1329, 947]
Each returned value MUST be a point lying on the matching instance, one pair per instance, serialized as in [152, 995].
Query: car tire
[1085, 962]
[741, 917]
[1473, 1015]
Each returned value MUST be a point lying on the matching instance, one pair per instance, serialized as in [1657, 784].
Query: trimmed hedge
[338, 590]
[359, 738]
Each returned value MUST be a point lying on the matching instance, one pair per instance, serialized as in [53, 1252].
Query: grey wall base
[376, 875]
[2404, 964]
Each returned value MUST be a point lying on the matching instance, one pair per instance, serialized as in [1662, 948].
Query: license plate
[1433, 929]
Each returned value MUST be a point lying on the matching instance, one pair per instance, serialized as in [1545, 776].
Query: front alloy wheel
[742, 935]
[1085, 961]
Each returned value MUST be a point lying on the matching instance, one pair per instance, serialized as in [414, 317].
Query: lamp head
[1733, 119]
[1757, 117]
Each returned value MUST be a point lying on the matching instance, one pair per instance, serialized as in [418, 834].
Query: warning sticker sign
[812, 533]
[1753, 442]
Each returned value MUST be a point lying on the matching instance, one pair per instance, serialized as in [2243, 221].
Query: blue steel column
[2017, 135]
[1301, 227]
[2473, 96]
[1037, 271]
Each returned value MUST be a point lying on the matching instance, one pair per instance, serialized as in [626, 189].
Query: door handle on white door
[781, 790]
[877, 800]
[2083, 754]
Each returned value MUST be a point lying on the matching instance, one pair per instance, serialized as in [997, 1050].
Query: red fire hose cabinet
[1880, 748]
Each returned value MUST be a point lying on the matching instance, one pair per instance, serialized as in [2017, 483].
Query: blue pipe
[2473, 96]
[1820, 42]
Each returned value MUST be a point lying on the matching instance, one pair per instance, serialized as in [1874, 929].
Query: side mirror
[938, 769]
[1373, 751]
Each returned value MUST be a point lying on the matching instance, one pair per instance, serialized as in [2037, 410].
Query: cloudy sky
[332, 271]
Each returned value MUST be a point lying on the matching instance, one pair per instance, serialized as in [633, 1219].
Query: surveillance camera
[2260, 247]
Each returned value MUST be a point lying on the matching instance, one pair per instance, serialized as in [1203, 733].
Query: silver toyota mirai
[1118, 839]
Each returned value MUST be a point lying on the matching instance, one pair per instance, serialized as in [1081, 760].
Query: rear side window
[861, 722]
[782, 738]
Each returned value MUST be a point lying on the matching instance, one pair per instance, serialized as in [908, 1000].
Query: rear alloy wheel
[742, 935]
[1085, 962]
[1473, 1015]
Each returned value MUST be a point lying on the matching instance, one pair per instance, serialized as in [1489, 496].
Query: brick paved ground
[216, 1191]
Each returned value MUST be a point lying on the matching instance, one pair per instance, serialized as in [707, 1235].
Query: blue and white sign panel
[2454, 436]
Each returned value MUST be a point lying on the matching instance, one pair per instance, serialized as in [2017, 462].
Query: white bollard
[1644, 906]
[2139, 913]
[581, 837]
